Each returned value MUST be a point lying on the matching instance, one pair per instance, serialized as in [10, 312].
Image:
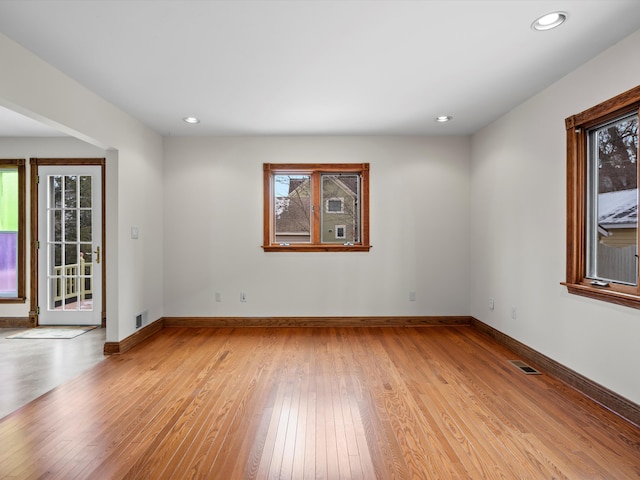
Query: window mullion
[315, 208]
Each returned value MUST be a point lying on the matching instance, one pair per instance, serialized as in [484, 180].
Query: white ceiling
[314, 66]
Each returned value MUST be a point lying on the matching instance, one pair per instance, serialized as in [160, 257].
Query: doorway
[68, 218]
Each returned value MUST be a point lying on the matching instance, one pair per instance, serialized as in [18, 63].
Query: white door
[70, 243]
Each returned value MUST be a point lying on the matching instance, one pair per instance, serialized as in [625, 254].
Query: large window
[602, 201]
[316, 207]
[12, 231]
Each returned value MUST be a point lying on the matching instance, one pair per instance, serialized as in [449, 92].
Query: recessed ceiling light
[549, 21]
[443, 118]
[192, 120]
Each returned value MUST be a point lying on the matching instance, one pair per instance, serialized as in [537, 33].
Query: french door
[70, 242]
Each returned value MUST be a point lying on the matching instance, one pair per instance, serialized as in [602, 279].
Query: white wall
[419, 230]
[518, 230]
[134, 178]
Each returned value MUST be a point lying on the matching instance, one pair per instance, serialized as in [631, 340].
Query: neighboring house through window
[602, 201]
[12, 230]
[316, 207]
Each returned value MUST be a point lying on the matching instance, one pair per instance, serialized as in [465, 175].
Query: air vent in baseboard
[528, 370]
[141, 319]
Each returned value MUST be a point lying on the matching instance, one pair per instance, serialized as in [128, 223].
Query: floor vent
[524, 367]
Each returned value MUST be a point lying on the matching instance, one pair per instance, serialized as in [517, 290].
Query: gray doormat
[52, 332]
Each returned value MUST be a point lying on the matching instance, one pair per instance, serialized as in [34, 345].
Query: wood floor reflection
[31, 367]
[371, 402]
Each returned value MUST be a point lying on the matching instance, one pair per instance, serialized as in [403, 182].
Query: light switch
[134, 233]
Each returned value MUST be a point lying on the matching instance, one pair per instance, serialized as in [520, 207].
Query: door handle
[97, 252]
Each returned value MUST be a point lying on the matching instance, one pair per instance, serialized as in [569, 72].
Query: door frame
[34, 180]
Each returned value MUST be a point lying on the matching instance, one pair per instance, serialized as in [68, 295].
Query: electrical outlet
[513, 313]
[491, 303]
[412, 296]
[243, 297]
[218, 297]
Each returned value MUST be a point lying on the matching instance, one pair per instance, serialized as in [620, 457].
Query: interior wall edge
[116, 348]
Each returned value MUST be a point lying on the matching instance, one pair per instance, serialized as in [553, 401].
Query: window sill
[316, 248]
[605, 294]
[13, 300]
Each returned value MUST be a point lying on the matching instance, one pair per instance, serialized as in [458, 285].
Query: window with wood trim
[12, 231]
[602, 201]
[305, 204]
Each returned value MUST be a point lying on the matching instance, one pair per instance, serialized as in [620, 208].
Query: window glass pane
[55, 254]
[340, 198]
[55, 189]
[8, 200]
[86, 255]
[8, 232]
[55, 226]
[292, 204]
[71, 225]
[70, 279]
[56, 293]
[85, 192]
[70, 258]
[613, 202]
[8, 264]
[70, 191]
[71, 301]
[85, 225]
[85, 279]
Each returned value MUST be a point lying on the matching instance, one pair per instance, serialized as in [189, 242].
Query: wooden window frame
[315, 170]
[577, 127]
[20, 164]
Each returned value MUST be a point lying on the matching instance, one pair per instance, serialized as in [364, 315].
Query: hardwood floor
[363, 403]
[30, 368]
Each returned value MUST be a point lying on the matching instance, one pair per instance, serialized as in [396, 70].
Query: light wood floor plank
[316, 403]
